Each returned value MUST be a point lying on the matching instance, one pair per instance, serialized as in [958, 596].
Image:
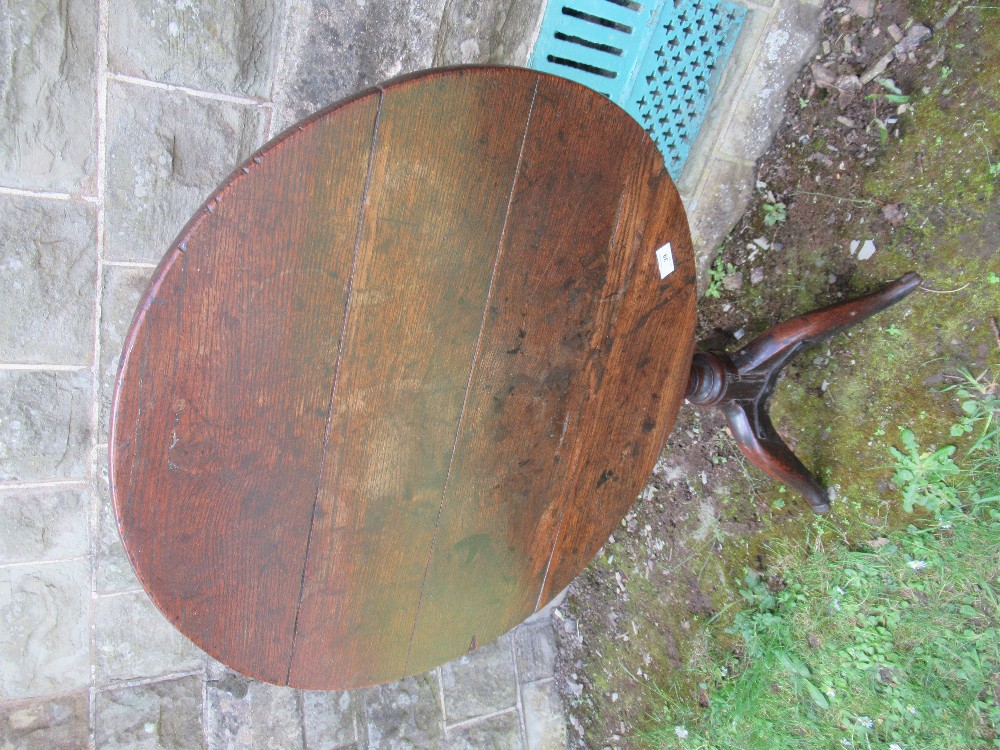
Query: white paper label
[665, 260]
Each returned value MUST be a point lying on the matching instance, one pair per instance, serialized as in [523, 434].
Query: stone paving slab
[48, 272]
[49, 49]
[153, 716]
[213, 45]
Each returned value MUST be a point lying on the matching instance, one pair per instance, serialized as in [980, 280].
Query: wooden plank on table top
[574, 272]
[223, 394]
[444, 164]
[646, 366]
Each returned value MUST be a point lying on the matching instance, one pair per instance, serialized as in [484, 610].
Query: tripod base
[741, 383]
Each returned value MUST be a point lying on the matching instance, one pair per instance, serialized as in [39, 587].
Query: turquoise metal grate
[658, 59]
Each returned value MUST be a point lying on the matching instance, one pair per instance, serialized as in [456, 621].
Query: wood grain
[223, 392]
[572, 258]
[395, 383]
[433, 220]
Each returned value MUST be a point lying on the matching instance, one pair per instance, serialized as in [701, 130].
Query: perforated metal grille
[658, 59]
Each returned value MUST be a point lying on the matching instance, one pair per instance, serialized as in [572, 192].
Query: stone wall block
[44, 639]
[48, 55]
[48, 273]
[121, 289]
[167, 151]
[501, 732]
[228, 721]
[789, 41]
[61, 723]
[724, 195]
[482, 682]
[543, 716]
[329, 719]
[277, 718]
[213, 45]
[37, 525]
[488, 32]
[405, 714]
[728, 87]
[44, 425]
[335, 49]
[113, 572]
[133, 640]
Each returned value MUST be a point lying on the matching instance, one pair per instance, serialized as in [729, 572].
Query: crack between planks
[336, 377]
[472, 371]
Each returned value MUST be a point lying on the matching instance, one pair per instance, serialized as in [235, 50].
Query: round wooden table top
[401, 376]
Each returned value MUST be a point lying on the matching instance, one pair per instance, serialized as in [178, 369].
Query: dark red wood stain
[395, 384]
[222, 399]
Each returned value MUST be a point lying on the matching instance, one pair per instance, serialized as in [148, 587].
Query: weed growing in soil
[716, 273]
[774, 213]
[923, 476]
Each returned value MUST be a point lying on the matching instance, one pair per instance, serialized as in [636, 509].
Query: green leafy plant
[979, 398]
[993, 168]
[716, 273]
[894, 95]
[923, 476]
[979, 402]
[774, 213]
[883, 131]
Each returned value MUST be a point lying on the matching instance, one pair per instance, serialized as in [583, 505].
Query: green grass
[896, 643]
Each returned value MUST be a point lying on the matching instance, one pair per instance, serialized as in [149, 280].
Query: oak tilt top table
[403, 373]
[397, 381]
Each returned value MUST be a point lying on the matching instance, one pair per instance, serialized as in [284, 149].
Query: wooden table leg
[741, 383]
